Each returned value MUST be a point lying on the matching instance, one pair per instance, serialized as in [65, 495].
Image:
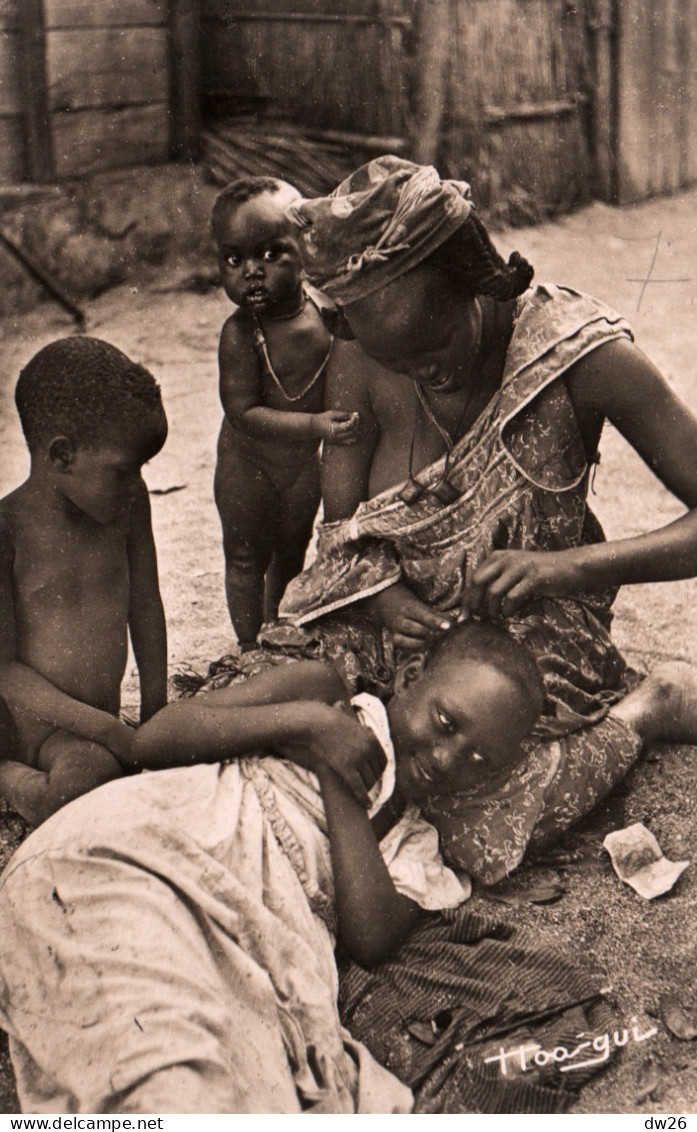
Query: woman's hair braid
[471, 257]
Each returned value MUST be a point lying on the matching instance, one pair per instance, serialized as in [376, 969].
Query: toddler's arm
[241, 396]
[373, 918]
[146, 617]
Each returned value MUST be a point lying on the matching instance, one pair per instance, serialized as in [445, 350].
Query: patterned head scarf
[387, 218]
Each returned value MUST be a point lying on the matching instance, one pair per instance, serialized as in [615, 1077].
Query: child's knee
[74, 766]
[246, 560]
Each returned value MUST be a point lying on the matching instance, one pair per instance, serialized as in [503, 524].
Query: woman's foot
[663, 709]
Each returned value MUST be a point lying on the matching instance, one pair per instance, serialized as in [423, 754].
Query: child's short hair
[493, 645]
[85, 388]
[246, 188]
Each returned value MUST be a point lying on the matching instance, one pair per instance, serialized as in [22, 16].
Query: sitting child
[274, 351]
[77, 571]
[239, 877]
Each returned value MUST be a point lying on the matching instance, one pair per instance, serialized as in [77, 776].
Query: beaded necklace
[262, 348]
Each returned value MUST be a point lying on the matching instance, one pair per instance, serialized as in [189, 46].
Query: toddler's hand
[335, 427]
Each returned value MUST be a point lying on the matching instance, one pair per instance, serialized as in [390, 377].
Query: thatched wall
[656, 97]
[340, 65]
[502, 84]
[515, 109]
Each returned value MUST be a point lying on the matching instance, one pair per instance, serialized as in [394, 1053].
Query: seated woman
[168, 941]
[481, 405]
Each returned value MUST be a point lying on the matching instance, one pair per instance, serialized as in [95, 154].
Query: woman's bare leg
[663, 709]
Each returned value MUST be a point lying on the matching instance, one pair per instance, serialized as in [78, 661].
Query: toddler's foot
[663, 709]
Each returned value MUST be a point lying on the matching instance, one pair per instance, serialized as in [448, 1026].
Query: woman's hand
[413, 624]
[509, 578]
[335, 426]
[335, 738]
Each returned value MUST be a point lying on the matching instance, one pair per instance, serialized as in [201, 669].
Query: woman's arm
[241, 396]
[373, 918]
[616, 381]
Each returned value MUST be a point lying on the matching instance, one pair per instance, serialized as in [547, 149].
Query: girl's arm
[146, 616]
[615, 381]
[241, 396]
[291, 711]
[373, 918]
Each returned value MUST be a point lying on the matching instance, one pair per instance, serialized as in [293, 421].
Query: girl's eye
[271, 254]
[233, 260]
[446, 723]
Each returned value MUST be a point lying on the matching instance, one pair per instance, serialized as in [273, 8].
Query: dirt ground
[644, 949]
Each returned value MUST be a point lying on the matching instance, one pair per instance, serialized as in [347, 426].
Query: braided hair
[471, 258]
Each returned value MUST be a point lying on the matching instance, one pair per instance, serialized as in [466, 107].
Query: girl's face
[418, 326]
[260, 264]
[457, 727]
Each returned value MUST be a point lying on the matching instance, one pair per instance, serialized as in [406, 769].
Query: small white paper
[638, 860]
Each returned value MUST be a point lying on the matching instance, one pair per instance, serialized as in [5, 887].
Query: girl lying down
[169, 939]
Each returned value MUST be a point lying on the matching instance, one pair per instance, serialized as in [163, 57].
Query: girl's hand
[336, 427]
[118, 738]
[335, 738]
[412, 623]
[509, 578]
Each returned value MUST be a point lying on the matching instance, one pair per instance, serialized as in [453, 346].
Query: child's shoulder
[238, 329]
[13, 506]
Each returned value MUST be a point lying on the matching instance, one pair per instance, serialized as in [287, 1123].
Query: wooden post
[601, 24]
[32, 72]
[433, 34]
[185, 87]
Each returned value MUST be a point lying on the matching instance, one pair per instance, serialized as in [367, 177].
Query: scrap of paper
[638, 860]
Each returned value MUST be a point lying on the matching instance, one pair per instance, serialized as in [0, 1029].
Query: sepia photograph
[348, 559]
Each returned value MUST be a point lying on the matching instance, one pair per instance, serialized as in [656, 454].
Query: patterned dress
[521, 475]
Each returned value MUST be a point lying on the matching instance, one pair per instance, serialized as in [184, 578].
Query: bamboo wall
[515, 109]
[656, 97]
[338, 64]
[507, 104]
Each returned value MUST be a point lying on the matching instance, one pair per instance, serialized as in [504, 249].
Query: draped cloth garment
[168, 946]
[521, 472]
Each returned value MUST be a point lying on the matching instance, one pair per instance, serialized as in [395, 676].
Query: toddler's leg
[68, 767]
[248, 506]
[299, 503]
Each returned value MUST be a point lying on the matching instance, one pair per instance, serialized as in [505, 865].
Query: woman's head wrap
[387, 218]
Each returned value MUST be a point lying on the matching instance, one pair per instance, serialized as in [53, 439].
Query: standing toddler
[274, 351]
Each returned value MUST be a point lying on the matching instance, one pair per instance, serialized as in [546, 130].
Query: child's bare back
[77, 569]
